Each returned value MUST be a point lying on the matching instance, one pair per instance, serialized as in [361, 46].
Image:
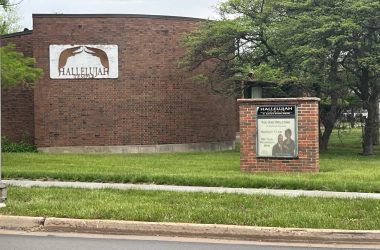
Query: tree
[9, 18]
[267, 42]
[15, 67]
[349, 32]
[310, 39]
[309, 42]
[354, 32]
[4, 3]
[361, 60]
[9, 21]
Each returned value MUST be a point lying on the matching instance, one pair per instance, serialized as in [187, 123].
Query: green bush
[11, 147]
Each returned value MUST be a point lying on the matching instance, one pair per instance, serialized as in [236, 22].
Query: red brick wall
[17, 107]
[152, 102]
[308, 148]
[17, 114]
[22, 40]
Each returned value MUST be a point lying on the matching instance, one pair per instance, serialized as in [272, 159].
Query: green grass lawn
[233, 209]
[342, 168]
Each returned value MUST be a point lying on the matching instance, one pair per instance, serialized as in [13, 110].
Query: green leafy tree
[349, 32]
[235, 46]
[263, 37]
[4, 3]
[307, 36]
[15, 67]
[9, 20]
[308, 44]
[361, 61]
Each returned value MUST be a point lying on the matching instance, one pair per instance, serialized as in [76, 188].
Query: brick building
[150, 104]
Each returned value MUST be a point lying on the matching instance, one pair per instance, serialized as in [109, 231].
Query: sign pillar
[279, 134]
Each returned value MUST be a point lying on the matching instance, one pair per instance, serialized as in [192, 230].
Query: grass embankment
[342, 169]
[301, 212]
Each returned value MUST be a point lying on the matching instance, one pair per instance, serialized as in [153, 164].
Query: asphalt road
[57, 241]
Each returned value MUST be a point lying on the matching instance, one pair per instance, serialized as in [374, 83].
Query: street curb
[21, 222]
[212, 231]
[191, 230]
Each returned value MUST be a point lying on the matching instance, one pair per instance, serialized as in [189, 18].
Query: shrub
[21, 147]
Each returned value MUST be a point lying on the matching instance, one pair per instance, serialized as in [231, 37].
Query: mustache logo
[67, 53]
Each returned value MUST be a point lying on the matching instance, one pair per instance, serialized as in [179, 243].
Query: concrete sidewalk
[121, 186]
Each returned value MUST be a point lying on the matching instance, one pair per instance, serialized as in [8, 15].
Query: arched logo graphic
[83, 61]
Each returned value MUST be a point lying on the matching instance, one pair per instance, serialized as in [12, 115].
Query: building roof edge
[21, 33]
[116, 16]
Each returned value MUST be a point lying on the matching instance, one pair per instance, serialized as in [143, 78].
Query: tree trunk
[375, 136]
[352, 117]
[325, 137]
[328, 120]
[370, 126]
[367, 140]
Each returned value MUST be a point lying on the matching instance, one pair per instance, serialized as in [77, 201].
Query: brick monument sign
[279, 134]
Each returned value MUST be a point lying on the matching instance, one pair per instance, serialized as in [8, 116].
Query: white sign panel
[83, 61]
[277, 131]
[276, 137]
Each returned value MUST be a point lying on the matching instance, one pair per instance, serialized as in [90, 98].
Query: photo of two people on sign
[284, 147]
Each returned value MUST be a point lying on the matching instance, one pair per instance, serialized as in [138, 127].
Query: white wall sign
[277, 131]
[83, 61]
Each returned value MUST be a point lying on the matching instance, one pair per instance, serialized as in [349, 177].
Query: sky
[187, 8]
